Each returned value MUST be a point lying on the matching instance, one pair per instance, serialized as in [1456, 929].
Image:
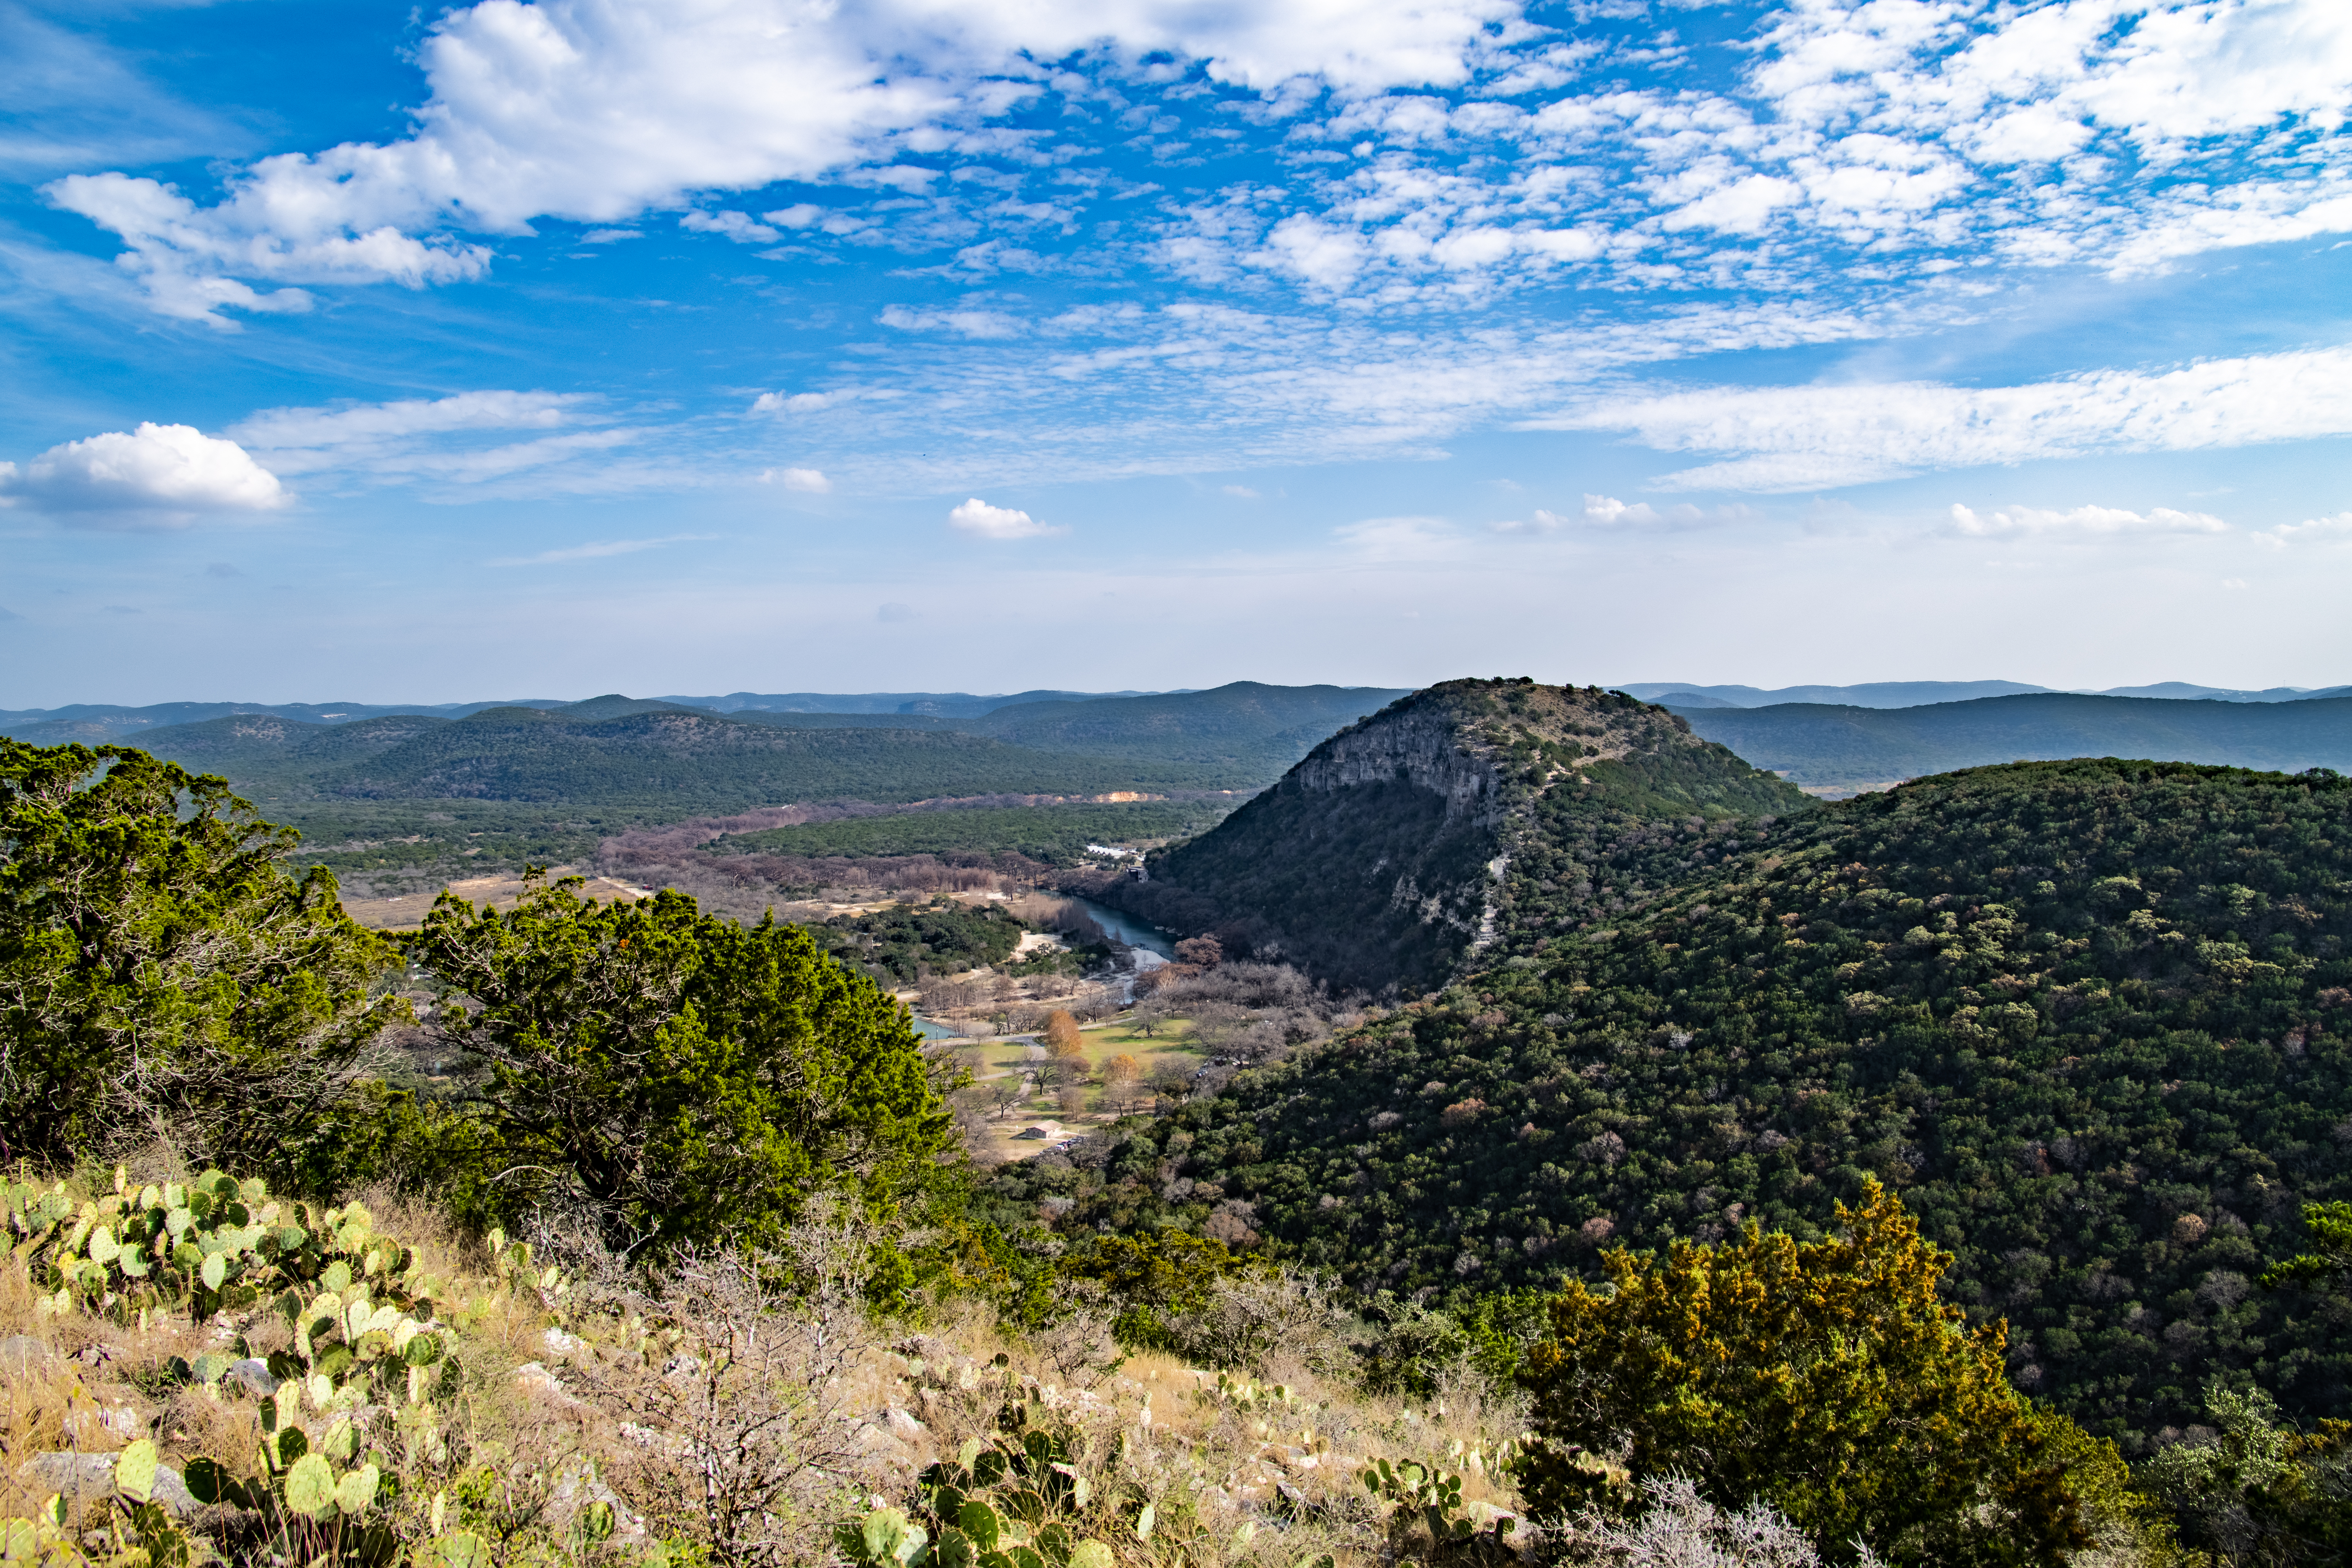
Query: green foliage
[692, 761]
[907, 942]
[1249, 730]
[1018, 1499]
[690, 1078]
[1154, 1276]
[1058, 835]
[1820, 743]
[2257, 1491]
[58, 1534]
[2093, 1020]
[2329, 1261]
[203, 1246]
[1431, 1500]
[1824, 1378]
[159, 967]
[349, 1402]
[1371, 865]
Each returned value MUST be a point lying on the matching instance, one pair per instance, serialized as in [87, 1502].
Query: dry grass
[719, 1409]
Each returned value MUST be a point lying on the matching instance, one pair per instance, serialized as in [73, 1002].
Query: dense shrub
[161, 973]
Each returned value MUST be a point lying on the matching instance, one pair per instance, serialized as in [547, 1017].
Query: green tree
[2258, 1493]
[161, 970]
[691, 1078]
[1823, 1378]
[2328, 1263]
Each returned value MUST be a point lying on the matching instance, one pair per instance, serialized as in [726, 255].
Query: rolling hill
[617, 752]
[2091, 1020]
[1410, 840]
[1252, 729]
[1830, 747]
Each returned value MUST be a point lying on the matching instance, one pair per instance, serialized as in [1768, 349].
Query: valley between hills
[1448, 997]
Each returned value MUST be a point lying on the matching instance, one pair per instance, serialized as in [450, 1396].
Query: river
[1125, 928]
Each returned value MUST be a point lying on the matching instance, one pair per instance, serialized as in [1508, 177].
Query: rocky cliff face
[1420, 745]
[1384, 861]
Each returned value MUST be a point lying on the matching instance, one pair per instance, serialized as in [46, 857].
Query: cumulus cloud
[598, 551]
[982, 520]
[810, 481]
[1815, 437]
[2334, 530]
[2082, 522]
[158, 476]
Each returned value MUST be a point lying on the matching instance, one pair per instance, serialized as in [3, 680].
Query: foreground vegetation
[685, 1263]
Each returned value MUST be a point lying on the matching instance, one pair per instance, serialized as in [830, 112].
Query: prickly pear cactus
[351, 1400]
[203, 1246]
[129, 1517]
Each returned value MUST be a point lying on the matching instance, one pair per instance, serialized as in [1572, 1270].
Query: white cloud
[964, 324]
[456, 441]
[595, 111]
[2312, 531]
[156, 475]
[737, 227]
[1401, 538]
[810, 480]
[803, 402]
[607, 235]
[1242, 492]
[1813, 437]
[2092, 521]
[982, 520]
[1608, 511]
[286, 430]
[597, 552]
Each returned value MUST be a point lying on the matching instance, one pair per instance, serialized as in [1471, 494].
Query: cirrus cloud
[158, 476]
[1818, 437]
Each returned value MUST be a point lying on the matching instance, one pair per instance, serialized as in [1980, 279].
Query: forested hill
[672, 760]
[1820, 745]
[1471, 812]
[2093, 1021]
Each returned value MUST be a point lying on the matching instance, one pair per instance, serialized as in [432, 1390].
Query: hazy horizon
[942, 692]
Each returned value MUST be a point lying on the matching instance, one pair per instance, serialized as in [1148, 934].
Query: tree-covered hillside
[1448, 819]
[2091, 1020]
[1054, 835]
[1248, 729]
[1820, 745]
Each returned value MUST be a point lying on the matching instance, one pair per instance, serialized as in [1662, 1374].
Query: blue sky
[369, 353]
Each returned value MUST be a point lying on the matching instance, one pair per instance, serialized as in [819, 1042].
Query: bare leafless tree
[747, 1400]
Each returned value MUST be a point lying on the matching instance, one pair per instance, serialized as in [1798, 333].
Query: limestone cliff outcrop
[1383, 860]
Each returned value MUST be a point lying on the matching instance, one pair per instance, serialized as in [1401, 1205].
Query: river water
[1148, 947]
[1125, 928]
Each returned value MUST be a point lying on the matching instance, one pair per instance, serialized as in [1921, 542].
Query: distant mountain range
[1833, 747]
[1916, 693]
[496, 783]
[102, 720]
[97, 722]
